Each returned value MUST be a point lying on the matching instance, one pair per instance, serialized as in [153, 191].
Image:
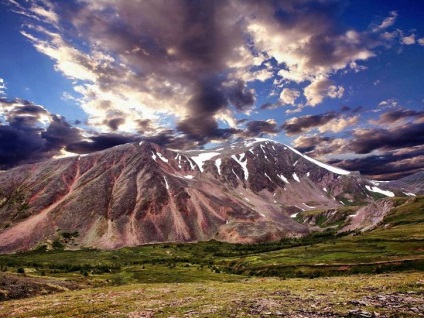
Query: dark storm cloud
[182, 42]
[366, 140]
[31, 133]
[389, 166]
[240, 96]
[311, 143]
[258, 128]
[100, 142]
[60, 133]
[399, 114]
[302, 124]
[271, 106]
[115, 123]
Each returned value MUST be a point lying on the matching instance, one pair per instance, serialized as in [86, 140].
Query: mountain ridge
[142, 193]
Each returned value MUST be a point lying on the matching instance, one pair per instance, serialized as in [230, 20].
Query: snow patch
[295, 177]
[154, 156]
[378, 190]
[294, 165]
[166, 183]
[140, 143]
[283, 178]
[192, 166]
[201, 158]
[342, 202]
[299, 208]
[161, 157]
[189, 176]
[409, 194]
[325, 189]
[246, 199]
[268, 177]
[218, 165]
[323, 165]
[311, 207]
[252, 141]
[294, 215]
[308, 174]
[243, 164]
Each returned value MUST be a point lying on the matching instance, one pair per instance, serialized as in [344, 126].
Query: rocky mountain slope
[142, 193]
[411, 185]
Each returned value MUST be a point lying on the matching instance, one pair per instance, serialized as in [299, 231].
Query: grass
[398, 244]
[254, 297]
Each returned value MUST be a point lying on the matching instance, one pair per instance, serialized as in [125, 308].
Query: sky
[341, 81]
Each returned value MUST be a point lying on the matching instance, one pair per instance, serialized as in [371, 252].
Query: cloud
[421, 41]
[159, 60]
[380, 153]
[30, 133]
[321, 88]
[288, 96]
[407, 135]
[388, 166]
[387, 22]
[330, 121]
[399, 116]
[2, 87]
[258, 128]
[338, 124]
[408, 40]
[100, 142]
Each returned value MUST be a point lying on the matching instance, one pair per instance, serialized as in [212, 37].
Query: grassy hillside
[393, 295]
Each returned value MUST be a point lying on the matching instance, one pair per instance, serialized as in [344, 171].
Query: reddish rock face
[141, 193]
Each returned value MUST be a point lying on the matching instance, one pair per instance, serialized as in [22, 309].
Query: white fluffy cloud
[408, 40]
[288, 96]
[338, 124]
[319, 89]
[387, 22]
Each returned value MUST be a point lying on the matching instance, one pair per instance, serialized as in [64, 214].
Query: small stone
[360, 314]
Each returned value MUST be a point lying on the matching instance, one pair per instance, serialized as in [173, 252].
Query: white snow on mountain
[243, 164]
[378, 190]
[323, 165]
[202, 157]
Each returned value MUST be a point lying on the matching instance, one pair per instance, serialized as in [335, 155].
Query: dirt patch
[19, 286]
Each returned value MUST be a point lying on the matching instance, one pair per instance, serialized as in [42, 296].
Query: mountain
[139, 193]
[411, 185]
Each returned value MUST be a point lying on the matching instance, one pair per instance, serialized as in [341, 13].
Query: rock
[360, 314]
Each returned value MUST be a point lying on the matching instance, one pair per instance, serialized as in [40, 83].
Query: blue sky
[339, 80]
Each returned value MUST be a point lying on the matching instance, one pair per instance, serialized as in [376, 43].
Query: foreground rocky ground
[388, 295]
